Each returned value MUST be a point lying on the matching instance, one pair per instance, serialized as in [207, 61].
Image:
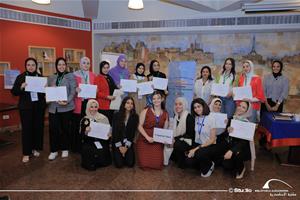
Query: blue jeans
[228, 106]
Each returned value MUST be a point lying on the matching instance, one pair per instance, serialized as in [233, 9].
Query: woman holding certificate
[150, 153]
[60, 113]
[120, 71]
[202, 151]
[228, 77]
[154, 72]
[82, 76]
[139, 75]
[95, 152]
[32, 111]
[238, 150]
[125, 123]
[202, 87]
[248, 78]
[106, 87]
[184, 131]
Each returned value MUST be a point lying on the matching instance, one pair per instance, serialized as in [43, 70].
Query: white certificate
[115, 104]
[99, 130]
[128, 85]
[241, 93]
[219, 89]
[87, 91]
[56, 93]
[220, 119]
[160, 83]
[242, 130]
[145, 88]
[35, 84]
[164, 136]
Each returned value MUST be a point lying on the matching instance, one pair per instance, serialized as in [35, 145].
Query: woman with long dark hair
[228, 77]
[125, 123]
[32, 112]
[60, 113]
[202, 87]
[106, 87]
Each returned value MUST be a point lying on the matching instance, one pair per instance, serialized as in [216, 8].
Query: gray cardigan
[276, 88]
[70, 82]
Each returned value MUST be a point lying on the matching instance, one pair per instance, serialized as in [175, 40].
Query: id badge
[34, 96]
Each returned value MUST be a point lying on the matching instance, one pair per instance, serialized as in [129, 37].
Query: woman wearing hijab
[202, 87]
[120, 71]
[106, 87]
[82, 76]
[248, 78]
[95, 152]
[154, 72]
[238, 150]
[124, 127]
[139, 75]
[183, 130]
[216, 107]
[228, 77]
[32, 111]
[60, 113]
[276, 88]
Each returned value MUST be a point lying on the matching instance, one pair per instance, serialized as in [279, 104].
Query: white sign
[242, 130]
[56, 94]
[128, 85]
[219, 89]
[87, 91]
[115, 104]
[164, 136]
[220, 119]
[35, 84]
[160, 83]
[99, 130]
[241, 93]
[145, 88]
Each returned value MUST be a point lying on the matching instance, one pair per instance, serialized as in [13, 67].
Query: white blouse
[203, 91]
[203, 126]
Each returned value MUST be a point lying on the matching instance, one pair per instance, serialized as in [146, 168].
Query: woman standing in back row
[32, 112]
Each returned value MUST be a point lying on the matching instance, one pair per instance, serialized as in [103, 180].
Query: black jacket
[25, 102]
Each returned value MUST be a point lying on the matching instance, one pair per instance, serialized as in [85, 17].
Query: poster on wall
[181, 83]
[10, 77]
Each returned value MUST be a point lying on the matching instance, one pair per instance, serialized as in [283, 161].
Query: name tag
[34, 96]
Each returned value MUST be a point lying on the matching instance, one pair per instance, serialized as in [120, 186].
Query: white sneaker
[52, 155]
[241, 175]
[64, 154]
[35, 153]
[210, 171]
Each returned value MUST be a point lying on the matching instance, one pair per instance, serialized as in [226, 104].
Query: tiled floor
[66, 174]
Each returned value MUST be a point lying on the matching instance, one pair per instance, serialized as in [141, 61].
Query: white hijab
[244, 116]
[97, 117]
[181, 128]
[211, 105]
[250, 74]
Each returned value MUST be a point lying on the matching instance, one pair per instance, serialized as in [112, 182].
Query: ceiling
[116, 10]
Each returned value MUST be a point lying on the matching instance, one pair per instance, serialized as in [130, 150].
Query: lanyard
[58, 81]
[200, 125]
[85, 77]
[157, 120]
[225, 78]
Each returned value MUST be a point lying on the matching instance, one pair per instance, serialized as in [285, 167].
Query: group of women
[197, 142]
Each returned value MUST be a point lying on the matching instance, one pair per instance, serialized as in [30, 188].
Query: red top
[103, 92]
[257, 90]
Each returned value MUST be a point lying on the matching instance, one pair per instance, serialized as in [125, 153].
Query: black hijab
[60, 75]
[35, 73]
[136, 69]
[281, 66]
[111, 84]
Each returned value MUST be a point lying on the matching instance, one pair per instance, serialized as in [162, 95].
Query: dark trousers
[179, 153]
[236, 163]
[75, 137]
[121, 161]
[271, 103]
[204, 157]
[109, 114]
[59, 130]
[32, 122]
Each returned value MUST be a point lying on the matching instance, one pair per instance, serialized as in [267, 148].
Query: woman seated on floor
[238, 150]
[95, 152]
[125, 123]
[201, 153]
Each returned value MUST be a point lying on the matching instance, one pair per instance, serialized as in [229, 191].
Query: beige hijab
[97, 117]
[181, 128]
